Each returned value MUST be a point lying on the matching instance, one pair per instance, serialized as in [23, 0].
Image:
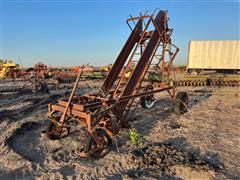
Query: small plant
[134, 136]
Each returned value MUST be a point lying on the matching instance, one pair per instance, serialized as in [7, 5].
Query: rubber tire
[51, 127]
[89, 141]
[56, 135]
[179, 108]
[144, 102]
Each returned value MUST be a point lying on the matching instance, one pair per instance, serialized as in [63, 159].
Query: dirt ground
[203, 143]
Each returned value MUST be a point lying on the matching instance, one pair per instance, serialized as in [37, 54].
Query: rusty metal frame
[108, 108]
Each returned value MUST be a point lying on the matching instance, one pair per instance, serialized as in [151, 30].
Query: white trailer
[219, 55]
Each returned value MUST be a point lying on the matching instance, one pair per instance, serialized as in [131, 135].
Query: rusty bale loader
[104, 113]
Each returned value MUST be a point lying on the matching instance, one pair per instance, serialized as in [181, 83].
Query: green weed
[134, 137]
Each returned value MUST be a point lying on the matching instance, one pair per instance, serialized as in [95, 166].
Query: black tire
[54, 133]
[181, 103]
[90, 144]
[147, 102]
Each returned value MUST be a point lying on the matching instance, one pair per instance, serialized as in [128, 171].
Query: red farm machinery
[104, 113]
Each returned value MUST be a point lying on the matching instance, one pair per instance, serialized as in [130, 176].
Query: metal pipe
[71, 96]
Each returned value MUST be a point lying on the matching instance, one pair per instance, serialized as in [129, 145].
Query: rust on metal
[103, 114]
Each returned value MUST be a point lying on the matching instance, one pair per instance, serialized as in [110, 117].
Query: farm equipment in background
[38, 71]
[106, 68]
[104, 113]
[215, 79]
[55, 74]
[29, 86]
[212, 63]
[70, 75]
[33, 80]
[180, 68]
[41, 71]
[8, 69]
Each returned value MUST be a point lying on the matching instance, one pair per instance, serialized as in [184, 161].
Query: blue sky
[79, 32]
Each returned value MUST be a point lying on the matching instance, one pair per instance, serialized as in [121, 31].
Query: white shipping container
[214, 55]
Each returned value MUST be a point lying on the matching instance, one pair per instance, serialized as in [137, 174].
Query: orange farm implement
[104, 113]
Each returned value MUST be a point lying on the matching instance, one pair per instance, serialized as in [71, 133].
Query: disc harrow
[61, 80]
[71, 77]
[210, 81]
